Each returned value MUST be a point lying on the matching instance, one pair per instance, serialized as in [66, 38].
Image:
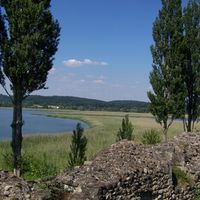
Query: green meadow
[52, 151]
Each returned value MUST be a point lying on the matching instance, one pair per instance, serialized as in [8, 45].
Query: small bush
[78, 148]
[7, 161]
[151, 136]
[31, 167]
[41, 168]
[35, 168]
[180, 177]
[126, 130]
[197, 194]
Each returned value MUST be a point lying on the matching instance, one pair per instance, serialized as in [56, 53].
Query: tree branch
[170, 123]
[26, 95]
[11, 98]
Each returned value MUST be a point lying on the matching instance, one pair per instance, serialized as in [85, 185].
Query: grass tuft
[151, 136]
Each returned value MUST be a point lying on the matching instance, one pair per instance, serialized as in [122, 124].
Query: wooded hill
[79, 103]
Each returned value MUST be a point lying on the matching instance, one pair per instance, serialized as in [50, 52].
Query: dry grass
[101, 134]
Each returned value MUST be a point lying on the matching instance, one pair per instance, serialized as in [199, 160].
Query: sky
[104, 50]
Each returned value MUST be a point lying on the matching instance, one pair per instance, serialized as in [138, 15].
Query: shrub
[180, 177]
[151, 136]
[77, 148]
[35, 168]
[126, 130]
[7, 161]
[31, 167]
[196, 194]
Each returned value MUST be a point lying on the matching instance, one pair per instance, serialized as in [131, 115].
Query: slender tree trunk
[191, 91]
[193, 127]
[184, 125]
[189, 124]
[165, 130]
[16, 125]
[165, 135]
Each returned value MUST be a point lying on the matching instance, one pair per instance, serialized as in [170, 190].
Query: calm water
[35, 122]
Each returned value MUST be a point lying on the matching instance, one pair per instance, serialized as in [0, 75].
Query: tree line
[175, 77]
[77, 103]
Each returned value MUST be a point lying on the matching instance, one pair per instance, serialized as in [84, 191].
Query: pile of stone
[188, 146]
[125, 171]
[132, 171]
[14, 188]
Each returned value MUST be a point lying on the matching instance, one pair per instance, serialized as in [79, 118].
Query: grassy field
[53, 150]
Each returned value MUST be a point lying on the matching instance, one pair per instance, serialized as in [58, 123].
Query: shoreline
[85, 123]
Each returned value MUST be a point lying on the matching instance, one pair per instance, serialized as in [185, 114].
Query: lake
[36, 122]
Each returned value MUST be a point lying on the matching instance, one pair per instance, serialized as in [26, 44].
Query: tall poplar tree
[191, 63]
[2, 30]
[167, 97]
[29, 37]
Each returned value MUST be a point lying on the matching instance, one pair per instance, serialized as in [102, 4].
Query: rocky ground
[125, 171]
[14, 188]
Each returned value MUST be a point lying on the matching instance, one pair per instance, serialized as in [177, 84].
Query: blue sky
[104, 49]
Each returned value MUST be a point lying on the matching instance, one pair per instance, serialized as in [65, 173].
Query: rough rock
[14, 188]
[125, 171]
[129, 171]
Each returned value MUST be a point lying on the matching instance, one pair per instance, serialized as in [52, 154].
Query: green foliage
[126, 130]
[34, 168]
[28, 41]
[151, 136]
[2, 27]
[196, 194]
[180, 177]
[31, 167]
[191, 64]
[77, 147]
[175, 78]
[7, 161]
[167, 97]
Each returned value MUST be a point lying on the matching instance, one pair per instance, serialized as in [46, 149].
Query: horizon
[81, 97]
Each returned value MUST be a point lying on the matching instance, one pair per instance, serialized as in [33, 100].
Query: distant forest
[77, 103]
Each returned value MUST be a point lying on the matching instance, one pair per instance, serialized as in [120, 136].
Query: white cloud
[88, 62]
[78, 63]
[98, 81]
[82, 81]
[72, 63]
